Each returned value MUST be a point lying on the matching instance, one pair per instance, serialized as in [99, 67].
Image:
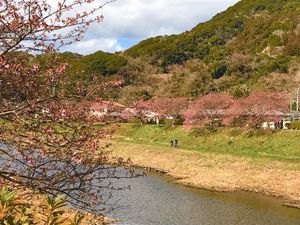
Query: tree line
[221, 109]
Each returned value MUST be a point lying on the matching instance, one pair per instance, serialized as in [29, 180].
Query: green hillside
[251, 27]
[250, 41]
[254, 44]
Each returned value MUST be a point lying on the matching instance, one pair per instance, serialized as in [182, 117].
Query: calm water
[154, 199]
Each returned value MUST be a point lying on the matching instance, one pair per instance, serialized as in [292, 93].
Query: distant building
[107, 109]
[285, 117]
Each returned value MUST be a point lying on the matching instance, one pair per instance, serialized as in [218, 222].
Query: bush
[239, 92]
[250, 133]
[198, 132]
[280, 64]
[134, 120]
[104, 63]
[292, 45]
[219, 72]
[294, 125]
[171, 122]
[14, 210]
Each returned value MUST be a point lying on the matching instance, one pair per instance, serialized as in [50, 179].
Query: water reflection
[156, 200]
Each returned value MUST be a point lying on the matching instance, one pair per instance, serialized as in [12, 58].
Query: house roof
[100, 105]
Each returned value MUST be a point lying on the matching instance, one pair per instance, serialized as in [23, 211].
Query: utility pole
[297, 109]
[53, 90]
[1, 89]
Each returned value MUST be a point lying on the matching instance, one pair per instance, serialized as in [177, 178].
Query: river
[155, 199]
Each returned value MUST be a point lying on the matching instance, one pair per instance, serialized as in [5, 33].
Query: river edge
[217, 172]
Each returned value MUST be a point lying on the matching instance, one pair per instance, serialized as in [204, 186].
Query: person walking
[281, 124]
[176, 142]
[172, 143]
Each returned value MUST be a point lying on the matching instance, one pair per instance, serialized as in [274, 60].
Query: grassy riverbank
[281, 145]
[266, 163]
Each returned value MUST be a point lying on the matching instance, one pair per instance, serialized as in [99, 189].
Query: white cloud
[141, 19]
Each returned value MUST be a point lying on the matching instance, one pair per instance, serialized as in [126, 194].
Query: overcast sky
[127, 22]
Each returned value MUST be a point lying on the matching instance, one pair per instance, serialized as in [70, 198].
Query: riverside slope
[218, 172]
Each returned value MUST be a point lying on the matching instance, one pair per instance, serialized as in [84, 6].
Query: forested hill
[254, 44]
[250, 27]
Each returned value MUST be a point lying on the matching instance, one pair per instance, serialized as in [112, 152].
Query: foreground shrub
[15, 211]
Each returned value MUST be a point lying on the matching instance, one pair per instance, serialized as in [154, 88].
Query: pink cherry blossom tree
[47, 142]
[209, 110]
[259, 106]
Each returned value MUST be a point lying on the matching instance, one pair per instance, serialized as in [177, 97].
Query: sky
[127, 22]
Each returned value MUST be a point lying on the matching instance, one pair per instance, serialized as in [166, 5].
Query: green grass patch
[281, 145]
